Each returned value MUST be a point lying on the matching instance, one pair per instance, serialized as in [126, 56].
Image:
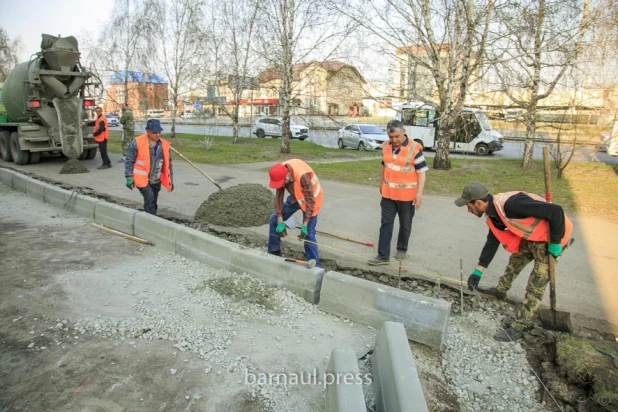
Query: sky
[28, 19]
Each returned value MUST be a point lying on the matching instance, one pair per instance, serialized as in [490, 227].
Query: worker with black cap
[530, 229]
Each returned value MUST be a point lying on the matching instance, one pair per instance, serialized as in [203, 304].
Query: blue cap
[153, 125]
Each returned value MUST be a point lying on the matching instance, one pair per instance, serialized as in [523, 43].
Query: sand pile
[238, 206]
[73, 166]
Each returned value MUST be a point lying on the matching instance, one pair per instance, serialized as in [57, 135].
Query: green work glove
[474, 279]
[303, 233]
[129, 183]
[555, 249]
[280, 229]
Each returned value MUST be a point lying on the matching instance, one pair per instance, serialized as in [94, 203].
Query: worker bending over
[527, 227]
[305, 194]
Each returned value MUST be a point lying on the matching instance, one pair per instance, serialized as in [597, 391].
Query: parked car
[271, 126]
[189, 116]
[112, 120]
[361, 137]
[602, 144]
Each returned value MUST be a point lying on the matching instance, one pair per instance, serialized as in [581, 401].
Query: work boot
[509, 335]
[493, 292]
[275, 252]
[103, 167]
[378, 261]
[400, 255]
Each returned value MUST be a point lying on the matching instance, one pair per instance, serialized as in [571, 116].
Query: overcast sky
[28, 19]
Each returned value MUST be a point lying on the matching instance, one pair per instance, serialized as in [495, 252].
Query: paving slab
[345, 393]
[396, 383]
[425, 319]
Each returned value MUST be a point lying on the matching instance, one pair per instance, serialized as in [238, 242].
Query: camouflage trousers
[127, 137]
[537, 282]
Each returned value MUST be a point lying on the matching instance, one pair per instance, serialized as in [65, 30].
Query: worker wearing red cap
[305, 194]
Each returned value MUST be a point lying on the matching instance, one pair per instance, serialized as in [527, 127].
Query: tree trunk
[235, 122]
[174, 114]
[285, 98]
[442, 160]
[530, 120]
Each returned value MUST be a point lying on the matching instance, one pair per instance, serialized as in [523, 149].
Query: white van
[472, 132]
[155, 113]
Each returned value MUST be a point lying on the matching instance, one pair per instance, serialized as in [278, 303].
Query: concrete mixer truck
[42, 103]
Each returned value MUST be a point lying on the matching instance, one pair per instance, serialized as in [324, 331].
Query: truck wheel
[84, 155]
[20, 157]
[35, 157]
[481, 149]
[5, 146]
[92, 153]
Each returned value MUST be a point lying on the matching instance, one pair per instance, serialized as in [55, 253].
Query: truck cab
[471, 132]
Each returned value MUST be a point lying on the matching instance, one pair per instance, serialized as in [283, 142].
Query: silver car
[362, 137]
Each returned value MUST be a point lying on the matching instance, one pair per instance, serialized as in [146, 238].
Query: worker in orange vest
[306, 194]
[101, 134]
[148, 165]
[530, 229]
[401, 187]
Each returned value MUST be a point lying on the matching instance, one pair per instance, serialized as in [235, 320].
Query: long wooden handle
[124, 235]
[196, 168]
[345, 238]
[547, 173]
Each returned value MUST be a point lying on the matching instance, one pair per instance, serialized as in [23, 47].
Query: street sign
[197, 105]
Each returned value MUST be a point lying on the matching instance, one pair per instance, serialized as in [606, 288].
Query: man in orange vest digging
[306, 194]
[527, 227]
[148, 165]
[401, 187]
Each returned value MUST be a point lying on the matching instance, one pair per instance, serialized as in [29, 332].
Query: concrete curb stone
[345, 394]
[425, 319]
[115, 217]
[6, 177]
[159, 231]
[396, 384]
[20, 182]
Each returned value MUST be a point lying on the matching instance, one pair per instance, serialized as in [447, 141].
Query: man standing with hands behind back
[101, 134]
[401, 187]
[149, 165]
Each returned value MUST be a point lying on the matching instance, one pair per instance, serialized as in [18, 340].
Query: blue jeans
[151, 195]
[274, 241]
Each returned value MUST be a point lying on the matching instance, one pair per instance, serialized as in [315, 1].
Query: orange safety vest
[141, 167]
[300, 168]
[105, 135]
[530, 228]
[400, 177]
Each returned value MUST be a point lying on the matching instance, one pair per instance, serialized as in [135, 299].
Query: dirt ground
[73, 299]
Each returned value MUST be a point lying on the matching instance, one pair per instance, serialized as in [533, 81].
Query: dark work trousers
[104, 156]
[151, 195]
[391, 208]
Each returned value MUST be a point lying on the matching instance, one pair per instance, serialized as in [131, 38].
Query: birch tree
[232, 29]
[176, 45]
[541, 41]
[441, 46]
[9, 53]
[293, 31]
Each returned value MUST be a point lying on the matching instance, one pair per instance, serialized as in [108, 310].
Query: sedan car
[112, 121]
[361, 137]
[272, 126]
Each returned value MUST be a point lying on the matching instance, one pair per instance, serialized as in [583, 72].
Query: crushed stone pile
[486, 374]
[243, 205]
[73, 166]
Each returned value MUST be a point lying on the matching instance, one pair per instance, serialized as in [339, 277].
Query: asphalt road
[328, 138]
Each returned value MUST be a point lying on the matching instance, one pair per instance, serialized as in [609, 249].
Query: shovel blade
[556, 320]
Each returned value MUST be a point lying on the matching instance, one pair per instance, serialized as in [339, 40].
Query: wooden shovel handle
[196, 168]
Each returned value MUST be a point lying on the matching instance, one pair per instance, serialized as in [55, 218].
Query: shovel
[552, 319]
[293, 224]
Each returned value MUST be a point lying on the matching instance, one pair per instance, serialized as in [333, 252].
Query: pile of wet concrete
[245, 205]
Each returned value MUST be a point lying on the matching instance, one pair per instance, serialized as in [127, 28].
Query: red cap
[277, 175]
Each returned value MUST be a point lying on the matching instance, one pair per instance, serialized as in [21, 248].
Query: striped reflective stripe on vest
[316, 189]
[400, 185]
[140, 162]
[396, 168]
[140, 172]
